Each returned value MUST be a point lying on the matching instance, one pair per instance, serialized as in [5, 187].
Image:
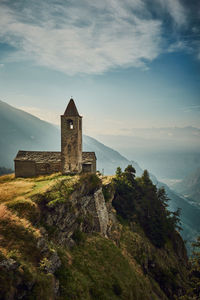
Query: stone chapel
[71, 159]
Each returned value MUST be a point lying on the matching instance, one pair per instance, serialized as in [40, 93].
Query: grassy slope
[97, 268]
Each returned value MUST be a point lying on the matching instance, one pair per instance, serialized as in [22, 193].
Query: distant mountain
[20, 130]
[170, 153]
[189, 187]
[107, 159]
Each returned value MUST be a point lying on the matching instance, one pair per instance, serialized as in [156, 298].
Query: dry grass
[106, 179]
[6, 178]
[7, 215]
[17, 234]
[12, 189]
[18, 212]
[3, 211]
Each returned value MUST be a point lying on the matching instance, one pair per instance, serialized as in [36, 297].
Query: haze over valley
[170, 153]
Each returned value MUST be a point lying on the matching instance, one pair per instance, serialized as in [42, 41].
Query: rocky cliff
[62, 239]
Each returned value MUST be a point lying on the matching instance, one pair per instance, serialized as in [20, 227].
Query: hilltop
[20, 130]
[89, 237]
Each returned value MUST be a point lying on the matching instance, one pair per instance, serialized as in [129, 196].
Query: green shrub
[91, 183]
[59, 193]
[106, 192]
[79, 237]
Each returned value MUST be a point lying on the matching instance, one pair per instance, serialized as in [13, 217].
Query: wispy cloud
[177, 46]
[81, 39]
[191, 108]
[87, 36]
[176, 10]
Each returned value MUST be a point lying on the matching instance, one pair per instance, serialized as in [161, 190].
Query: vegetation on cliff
[89, 237]
[139, 200]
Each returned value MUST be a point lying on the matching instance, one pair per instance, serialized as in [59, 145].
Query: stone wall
[94, 167]
[31, 169]
[48, 168]
[25, 169]
[71, 144]
[89, 167]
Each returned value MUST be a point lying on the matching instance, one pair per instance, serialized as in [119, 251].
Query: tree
[140, 200]
[130, 169]
[195, 272]
[118, 172]
[129, 174]
[145, 178]
[175, 219]
[162, 196]
[124, 199]
[193, 292]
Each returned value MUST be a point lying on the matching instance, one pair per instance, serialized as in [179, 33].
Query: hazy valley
[169, 153]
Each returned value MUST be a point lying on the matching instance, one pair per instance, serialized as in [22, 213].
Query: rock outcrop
[87, 213]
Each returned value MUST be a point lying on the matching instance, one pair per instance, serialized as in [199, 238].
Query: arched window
[70, 124]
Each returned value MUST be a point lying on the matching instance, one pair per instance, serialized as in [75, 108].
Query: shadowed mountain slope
[21, 130]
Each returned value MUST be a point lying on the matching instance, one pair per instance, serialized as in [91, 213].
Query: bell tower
[71, 140]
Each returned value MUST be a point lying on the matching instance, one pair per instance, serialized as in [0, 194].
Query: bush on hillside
[138, 199]
[90, 182]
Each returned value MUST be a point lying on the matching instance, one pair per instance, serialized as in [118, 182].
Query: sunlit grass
[17, 233]
[106, 179]
[11, 188]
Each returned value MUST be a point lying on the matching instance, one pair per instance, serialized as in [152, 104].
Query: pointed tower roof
[71, 110]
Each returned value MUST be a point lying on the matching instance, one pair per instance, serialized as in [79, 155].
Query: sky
[127, 64]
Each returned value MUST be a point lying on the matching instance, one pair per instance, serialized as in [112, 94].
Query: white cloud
[91, 37]
[176, 10]
[177, 46]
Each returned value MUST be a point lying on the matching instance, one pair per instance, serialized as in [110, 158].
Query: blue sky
[128, 64]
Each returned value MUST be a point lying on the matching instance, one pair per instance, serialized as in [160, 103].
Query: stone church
[71, 159]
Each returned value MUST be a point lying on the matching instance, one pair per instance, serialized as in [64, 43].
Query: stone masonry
[71, 159]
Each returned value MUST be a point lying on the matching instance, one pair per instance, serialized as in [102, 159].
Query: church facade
[71, 159]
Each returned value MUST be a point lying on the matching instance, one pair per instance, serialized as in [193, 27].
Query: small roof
[88, 157]
[48, 157]
[38, 156]
[71, 110]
